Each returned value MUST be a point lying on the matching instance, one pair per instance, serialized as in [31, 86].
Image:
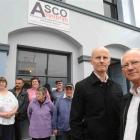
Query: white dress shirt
[131, 122]
[98, 76]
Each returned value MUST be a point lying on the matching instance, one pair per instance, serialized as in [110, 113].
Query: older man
[95, 111]
[131, 112]
[61, 114]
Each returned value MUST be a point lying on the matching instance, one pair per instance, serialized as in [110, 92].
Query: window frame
[113, 7]
[47, 51]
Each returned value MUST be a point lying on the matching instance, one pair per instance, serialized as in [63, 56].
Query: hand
[6, 114]
[55, 131]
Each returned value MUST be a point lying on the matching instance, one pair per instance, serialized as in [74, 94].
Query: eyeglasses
[132, 63]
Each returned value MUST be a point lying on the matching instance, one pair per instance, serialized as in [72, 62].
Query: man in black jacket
[23, 101]
[131, 102]
[95, 110]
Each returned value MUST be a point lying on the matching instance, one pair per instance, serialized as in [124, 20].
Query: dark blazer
[95, 110]
[125, 106]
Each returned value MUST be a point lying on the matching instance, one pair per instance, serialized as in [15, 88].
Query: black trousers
[48, 138]
[64, 135]
[6, 132]
[18, 129]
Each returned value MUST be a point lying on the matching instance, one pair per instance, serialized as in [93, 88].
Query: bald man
[131, 101]
[95, 110]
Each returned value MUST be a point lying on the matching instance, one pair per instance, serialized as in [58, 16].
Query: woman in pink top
[35, 84]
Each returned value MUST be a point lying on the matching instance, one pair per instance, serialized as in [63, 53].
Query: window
[3, 62]
[110, 9]
[46, 65]
[4, 50]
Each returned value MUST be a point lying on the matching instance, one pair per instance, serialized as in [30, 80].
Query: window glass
[110, 9]
[3, 62]
[107, 10]
[45, 65]
[31, 63]
[57, 65]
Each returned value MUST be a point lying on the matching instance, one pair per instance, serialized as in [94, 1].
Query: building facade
[53, 39]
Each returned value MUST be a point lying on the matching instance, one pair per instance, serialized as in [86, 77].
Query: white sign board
[49, 15]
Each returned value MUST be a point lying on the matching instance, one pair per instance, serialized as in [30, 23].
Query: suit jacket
[125, 106]
[95, 110]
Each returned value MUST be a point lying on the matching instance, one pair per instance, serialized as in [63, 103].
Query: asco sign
[46, 14]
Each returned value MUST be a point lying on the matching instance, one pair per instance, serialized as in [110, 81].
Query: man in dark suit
[95, 110]
[131, 101]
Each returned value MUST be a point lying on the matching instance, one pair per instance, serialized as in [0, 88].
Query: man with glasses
[131, 104]
[95, 110]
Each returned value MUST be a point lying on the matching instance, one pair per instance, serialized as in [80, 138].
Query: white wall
[13, 15]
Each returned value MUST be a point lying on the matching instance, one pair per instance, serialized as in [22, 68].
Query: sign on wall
[49, 15]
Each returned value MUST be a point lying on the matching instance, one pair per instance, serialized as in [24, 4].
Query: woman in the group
[35, 84]
[40, 111]
[8, 108]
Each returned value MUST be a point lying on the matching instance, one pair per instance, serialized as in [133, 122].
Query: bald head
[100, 49]
[100, 59]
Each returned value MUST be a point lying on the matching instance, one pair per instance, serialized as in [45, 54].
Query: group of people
[95, 110]
[39, 106]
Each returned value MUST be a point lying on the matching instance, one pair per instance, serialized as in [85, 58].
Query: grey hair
[131, 50]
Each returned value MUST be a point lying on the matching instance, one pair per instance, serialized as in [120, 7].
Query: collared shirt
[106, 77]
[131, 122]
[65, 96]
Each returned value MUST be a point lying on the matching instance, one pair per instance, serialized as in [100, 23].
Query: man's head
[100, 59]
[59, 85]
[69, 89]
[130, 62]
[19, 83]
